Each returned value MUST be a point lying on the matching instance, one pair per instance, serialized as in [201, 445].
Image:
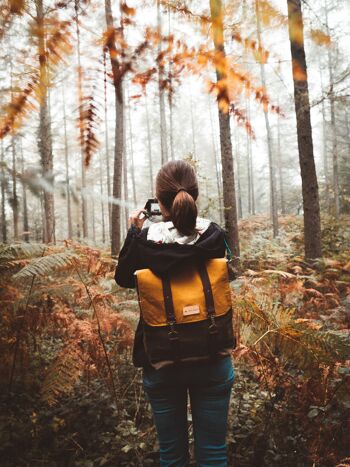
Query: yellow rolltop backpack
[186, 315]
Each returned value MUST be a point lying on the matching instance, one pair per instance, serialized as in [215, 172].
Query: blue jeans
[209, 385]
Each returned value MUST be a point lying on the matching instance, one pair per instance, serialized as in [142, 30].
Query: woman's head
[177, 191]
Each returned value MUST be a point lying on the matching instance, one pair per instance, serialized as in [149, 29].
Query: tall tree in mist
[119, 126]
[161, 84]
[81, 128]
[333, 123]
[44, 134]
[24, 199]
[66, 164]
[14, 199]
[149, 148]
[3, 194]
[107, 140]
[229, 195]
[311, 206]
[272, 176]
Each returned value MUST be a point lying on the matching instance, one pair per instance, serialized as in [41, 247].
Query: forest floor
[70, 395]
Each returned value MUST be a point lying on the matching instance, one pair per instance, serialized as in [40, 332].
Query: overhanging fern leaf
[47, 265]
[19, 251]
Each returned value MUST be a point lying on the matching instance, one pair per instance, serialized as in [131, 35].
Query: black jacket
[140, 253]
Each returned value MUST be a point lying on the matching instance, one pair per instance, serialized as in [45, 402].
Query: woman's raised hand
[137, 218]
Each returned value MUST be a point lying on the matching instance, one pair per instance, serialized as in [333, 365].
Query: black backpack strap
[170, 314]
[209, 302]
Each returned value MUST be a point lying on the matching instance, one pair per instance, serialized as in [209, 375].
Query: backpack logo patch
[191, 310]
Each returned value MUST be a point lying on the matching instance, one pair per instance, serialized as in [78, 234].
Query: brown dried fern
[57, 47]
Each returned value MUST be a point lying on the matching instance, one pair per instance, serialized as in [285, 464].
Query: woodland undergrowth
[70, 395]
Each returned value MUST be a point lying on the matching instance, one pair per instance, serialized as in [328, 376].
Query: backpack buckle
[213, 329]
[173, 334]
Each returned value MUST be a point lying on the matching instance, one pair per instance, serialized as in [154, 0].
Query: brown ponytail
[177, 190]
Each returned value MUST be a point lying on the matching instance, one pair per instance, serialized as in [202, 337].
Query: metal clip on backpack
[186, 316]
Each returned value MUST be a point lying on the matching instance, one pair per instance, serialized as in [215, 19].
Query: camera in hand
[152, 208]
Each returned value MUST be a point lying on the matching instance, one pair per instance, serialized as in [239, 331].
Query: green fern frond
[267, 324]
[329, 346]
[20, 251]
[46, 265]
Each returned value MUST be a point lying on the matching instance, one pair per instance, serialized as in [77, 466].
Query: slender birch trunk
[238, 172]
[248, 157]
[170, 98]
[44, 134]
[3, 195]
[93, 215]
[171, 129]
[324, 143]
[80, 93]
[24, 197]
[163, 129]
[311, 206]
[131, 147]
[107, 143]
[66, 163]
[216, 163]
[102, 203]
[125, 185]
[333, 126]
[15, 202]
[280, 165]
[119, 128]
[149, 148]
[250, 170]
[194, 149]
[229, 195]
[272, 176]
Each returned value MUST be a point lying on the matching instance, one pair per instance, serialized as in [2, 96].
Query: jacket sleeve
[129, 259]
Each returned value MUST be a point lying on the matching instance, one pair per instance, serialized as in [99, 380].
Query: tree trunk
[14, 201]
[81, 129]
[311, 206]
[279, 166]
[272, 176]
[216, 163]
[93, 213]
[68, 194]
[238, 172]
[229, 195]
[119, 130]
[248, 152]
[250, 171]
[170, 98]
[107, 145]
[102, 203]
[25, 206]
[44, 134]
[14, 198]
[171, 128]
[324, 143]
[125, 186]
[333, 126]
[194, 150]
[131, 146]
[163, 130]
[3, 198]
[149, 147]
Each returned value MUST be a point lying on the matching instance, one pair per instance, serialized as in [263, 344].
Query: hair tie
[181, 189]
